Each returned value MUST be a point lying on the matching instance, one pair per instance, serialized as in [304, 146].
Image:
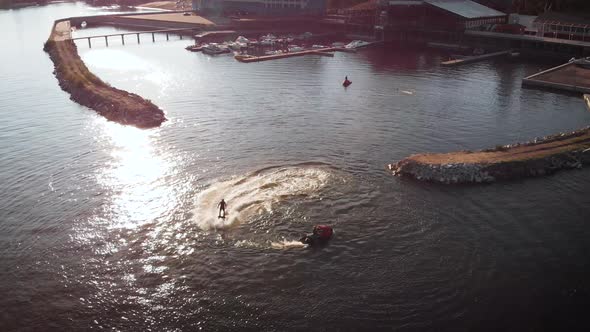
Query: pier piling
[137, 33]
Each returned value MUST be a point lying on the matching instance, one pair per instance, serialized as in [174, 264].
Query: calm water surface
[111, 227]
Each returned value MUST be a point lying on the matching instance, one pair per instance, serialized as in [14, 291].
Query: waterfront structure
[564, 26]
[262, 7]
[445, 15]
[365, 13]
[423, 15]
[506, 6]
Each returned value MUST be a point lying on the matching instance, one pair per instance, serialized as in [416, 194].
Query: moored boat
[583, 63]
[356, 44]
[214, 49]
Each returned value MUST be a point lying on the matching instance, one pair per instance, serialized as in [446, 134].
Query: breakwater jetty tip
[87, 89]
[542, 156]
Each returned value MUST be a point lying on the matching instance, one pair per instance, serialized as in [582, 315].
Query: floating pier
[566, 77]
[321, 51]
[472, 59]
[328, 54]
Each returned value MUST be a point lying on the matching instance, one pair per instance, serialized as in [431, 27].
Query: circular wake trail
[258, 193]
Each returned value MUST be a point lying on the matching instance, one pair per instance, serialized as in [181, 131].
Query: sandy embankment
[87, 89]
[167, 5]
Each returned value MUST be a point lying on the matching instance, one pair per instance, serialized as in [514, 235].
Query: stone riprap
[87, 89]
[542, 156]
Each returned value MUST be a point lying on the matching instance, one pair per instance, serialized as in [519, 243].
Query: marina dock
[215, 34]
[328, 51]
[321, 51]
[472, 59]
[566, 77]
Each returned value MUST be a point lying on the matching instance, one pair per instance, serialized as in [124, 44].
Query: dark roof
[564, 19]
[465, 8]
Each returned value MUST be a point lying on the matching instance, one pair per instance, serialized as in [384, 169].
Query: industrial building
[262, 7]
[564, 26]
[446, 15]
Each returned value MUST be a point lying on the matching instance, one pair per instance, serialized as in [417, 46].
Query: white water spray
[258, 193]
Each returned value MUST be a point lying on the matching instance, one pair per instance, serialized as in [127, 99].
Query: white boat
[306, 35]
[317, 46]
[270, 36]
[356, 44]
[338, 44]
[237, 46]
[214, 49]
[267, 42]
[296, 48]
[242, 39]
[583, 63]
[273, 52]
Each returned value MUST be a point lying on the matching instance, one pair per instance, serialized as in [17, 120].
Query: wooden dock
[321, 51]
[168, 32]
[472, 59]
[565, 77]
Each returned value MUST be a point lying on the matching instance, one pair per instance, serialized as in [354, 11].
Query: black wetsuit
[222, 205]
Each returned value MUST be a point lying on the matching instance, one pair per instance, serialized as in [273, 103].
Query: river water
[111, 227]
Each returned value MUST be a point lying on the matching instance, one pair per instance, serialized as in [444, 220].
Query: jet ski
[321, 235]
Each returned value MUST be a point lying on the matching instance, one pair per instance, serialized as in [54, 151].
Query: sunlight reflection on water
[115, 59]
[121, 62]
[136, 177]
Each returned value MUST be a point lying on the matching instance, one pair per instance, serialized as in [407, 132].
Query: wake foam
[286, 244]
[258, 193]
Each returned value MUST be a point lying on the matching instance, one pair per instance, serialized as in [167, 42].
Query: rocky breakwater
[87, 89]
[542, 156]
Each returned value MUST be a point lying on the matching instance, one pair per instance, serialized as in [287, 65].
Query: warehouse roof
[465, 8]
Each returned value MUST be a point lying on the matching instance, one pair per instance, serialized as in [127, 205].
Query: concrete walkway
[62, 31]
